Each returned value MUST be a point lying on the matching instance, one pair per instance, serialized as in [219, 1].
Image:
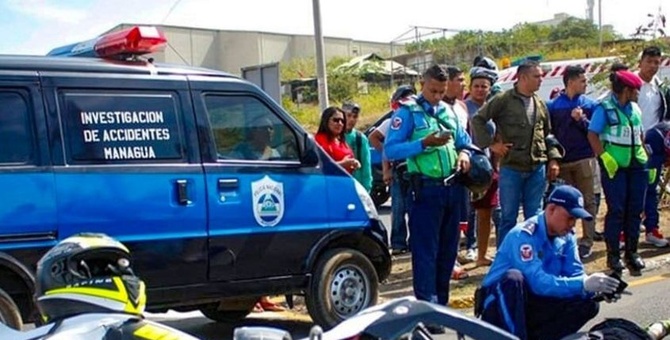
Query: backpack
[612, 329]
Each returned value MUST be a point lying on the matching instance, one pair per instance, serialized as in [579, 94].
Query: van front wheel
[344, 283]
[9, 313]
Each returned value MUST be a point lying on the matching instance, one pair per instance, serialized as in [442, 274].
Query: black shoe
[435, 329]
[399, 251]
[614, 262]
[635, 262]
[599, 237]
[584, 252]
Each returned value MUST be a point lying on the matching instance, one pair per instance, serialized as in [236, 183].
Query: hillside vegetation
[572, 39]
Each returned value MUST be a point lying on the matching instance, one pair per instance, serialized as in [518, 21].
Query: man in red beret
[616, 136]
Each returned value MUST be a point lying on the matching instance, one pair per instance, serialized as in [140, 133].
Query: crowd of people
[570, 143]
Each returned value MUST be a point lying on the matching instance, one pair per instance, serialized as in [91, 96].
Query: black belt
[441, 182]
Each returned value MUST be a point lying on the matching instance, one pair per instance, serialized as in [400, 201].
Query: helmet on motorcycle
[87, 273]
[401, 92]
[479, 177]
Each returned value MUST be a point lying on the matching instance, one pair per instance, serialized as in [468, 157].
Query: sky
[37, 26]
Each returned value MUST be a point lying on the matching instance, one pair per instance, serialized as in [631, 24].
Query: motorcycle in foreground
[401, 318]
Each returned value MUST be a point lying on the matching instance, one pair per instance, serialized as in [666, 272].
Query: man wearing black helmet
[487, 63]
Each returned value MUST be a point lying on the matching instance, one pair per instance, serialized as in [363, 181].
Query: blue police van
[221, 196]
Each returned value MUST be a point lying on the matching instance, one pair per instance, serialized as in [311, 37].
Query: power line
[174, 5]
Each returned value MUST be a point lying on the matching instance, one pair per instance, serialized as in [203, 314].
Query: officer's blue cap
[571, 199]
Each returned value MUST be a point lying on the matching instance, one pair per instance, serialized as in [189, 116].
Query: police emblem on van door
[268, 201]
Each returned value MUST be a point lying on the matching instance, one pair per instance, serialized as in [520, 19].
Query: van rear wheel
[344, 283]
[229, 311]
[9, 313]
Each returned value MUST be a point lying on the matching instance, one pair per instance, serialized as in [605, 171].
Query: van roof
[100, 65]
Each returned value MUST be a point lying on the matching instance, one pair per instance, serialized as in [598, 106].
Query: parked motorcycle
[401, 318]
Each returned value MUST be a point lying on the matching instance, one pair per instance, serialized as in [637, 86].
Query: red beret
[629, 79]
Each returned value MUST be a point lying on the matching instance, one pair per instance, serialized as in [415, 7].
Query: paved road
[649, 302]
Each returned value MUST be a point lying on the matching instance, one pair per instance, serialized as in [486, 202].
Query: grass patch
[373, 104]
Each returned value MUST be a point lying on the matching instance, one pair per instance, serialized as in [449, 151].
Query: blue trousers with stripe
[510, 305]
[434, 236]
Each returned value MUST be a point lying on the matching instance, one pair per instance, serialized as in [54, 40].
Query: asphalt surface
[647, 303]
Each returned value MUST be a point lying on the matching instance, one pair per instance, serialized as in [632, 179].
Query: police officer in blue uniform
[537, 288]
[430, 137]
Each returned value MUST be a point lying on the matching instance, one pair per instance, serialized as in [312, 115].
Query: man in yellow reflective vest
[616, 136]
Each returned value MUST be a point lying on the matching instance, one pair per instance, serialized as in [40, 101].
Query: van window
[121, 128]
[244, 128]
[16, 142]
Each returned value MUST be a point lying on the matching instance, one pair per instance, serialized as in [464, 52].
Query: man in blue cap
[538, 278]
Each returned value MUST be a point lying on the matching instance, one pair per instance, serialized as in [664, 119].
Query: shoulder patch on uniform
[666, 141]
[396, 122]
[406, 100]
[529, 227]
[526, 252]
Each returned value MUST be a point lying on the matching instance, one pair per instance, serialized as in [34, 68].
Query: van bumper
[381, 235]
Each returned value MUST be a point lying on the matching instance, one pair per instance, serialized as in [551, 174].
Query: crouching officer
[537, 288]
[429, 136]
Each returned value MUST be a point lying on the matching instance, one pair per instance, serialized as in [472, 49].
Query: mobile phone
[649, 149]
[444, 133]
[622, 284]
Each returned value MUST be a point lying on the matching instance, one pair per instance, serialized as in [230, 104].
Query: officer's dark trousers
[511, 305]
[434, 236]
[624, 195]
[651, 203]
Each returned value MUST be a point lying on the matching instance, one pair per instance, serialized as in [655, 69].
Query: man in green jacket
[522, 127]
[359, 144]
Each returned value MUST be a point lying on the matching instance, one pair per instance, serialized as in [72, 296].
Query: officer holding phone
[434, 143]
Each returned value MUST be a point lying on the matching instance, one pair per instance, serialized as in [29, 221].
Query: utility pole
[322, 81]
[600, 24]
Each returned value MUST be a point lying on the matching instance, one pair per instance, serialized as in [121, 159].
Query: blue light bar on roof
[81, 49]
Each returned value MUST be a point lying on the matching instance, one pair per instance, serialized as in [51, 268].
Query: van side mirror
[310, 155]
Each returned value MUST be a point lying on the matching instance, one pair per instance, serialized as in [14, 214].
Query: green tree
[523, 39]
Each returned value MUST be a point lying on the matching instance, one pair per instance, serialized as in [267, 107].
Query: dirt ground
[399, 282]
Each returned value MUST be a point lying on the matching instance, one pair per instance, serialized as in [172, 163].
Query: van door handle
[228, 183]
[182, 192]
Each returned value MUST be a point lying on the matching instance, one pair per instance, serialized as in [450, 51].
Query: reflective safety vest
[434, 161]
[622, 135]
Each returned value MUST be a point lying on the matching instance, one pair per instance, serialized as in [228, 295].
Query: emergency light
[132, 41]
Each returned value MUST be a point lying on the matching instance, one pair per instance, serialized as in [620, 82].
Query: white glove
[600, 283]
